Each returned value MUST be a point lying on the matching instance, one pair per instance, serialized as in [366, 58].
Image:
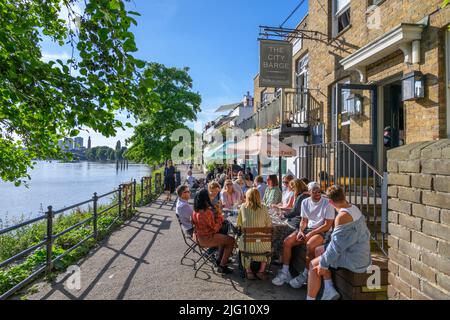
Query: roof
[228, 107]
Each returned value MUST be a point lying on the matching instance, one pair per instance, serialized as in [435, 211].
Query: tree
[170, 104]
[42, 102]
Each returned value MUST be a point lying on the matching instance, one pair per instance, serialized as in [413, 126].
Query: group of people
[333, 230]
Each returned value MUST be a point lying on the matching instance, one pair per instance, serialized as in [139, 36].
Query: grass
[23, 238]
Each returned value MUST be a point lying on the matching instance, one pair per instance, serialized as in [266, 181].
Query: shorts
[325, 235]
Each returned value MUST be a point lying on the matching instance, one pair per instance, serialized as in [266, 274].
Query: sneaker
[281, 278]
[330, 294]
[224, 270]
[298, 281]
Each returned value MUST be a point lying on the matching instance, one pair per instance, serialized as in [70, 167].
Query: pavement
[141, 261]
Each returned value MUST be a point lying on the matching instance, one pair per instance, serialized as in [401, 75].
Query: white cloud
[47, 56]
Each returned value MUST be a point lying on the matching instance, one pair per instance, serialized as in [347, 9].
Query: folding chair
[206, 257]
[256, 235]
[190, 243]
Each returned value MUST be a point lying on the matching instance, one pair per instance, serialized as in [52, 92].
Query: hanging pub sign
[275, 64]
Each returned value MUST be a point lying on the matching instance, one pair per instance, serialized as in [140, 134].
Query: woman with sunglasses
[288, 195]
[272, 195]
[229, 196]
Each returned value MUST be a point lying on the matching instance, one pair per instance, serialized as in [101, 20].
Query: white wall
[297, 142]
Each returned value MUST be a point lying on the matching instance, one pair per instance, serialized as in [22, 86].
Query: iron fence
[124, 203]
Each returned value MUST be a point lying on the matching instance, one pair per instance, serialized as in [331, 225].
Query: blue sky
[216, 39]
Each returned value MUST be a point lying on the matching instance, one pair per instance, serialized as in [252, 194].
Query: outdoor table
[281, 228]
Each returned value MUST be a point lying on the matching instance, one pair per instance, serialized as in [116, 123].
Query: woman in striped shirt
[253, 214]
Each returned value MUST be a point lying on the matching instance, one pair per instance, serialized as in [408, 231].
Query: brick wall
[419, 221]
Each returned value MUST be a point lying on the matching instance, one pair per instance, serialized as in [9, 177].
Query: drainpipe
[416, 51]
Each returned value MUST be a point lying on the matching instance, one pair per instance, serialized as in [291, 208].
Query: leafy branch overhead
[44, 101]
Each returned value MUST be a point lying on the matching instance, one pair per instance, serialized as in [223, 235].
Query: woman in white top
[288, 196]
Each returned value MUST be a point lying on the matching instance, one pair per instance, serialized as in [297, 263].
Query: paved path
[141, 260]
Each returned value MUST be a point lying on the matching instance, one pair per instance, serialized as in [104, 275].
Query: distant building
[68, 144]
[78, 143]
[89, 143]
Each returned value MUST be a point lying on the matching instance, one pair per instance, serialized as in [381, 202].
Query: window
[263, 97]
[341, 16]
[302, 81]
[374, 2]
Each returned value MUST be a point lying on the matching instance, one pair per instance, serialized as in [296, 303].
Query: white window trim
[343, 9]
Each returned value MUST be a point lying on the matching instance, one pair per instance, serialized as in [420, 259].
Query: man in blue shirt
[184, 209]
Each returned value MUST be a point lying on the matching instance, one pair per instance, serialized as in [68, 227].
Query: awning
[262, 144]
[402, 37]
[220, 152]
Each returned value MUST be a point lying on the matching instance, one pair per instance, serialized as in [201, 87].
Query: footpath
[141, 261]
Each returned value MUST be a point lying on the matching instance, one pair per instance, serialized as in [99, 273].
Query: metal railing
[337, 163]
[289, 108]
[126, 202]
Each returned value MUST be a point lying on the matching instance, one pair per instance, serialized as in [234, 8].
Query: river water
[61, 185]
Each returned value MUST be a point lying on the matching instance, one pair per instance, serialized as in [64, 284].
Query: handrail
[336, 162]
[50, 237]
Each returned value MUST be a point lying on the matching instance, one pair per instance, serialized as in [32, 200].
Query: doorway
[394, 134]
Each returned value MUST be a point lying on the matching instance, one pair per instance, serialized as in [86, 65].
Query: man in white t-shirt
[317, 219]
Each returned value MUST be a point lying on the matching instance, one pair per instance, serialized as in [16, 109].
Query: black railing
[122, 200]
[337, 163]
[289, 108]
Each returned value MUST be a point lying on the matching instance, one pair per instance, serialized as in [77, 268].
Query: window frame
[336, 15]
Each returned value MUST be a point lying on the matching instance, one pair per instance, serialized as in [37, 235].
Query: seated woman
[349, 247]
[300, 193]
[254, 215]
[288, 195]
[206, 230]
[229, 196]
[272, 195]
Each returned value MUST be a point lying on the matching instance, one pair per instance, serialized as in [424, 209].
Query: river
[62, 185]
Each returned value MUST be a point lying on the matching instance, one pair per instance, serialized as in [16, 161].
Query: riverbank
[28, 236]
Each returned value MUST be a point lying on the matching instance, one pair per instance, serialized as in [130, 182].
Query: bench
[351, 285]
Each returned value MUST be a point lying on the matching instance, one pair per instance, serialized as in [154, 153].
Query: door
[357, 118]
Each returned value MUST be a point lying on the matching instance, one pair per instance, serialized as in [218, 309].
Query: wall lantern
[413, 86]
[355, 104]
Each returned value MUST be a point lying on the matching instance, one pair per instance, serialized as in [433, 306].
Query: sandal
[250, 275]
[261, 275]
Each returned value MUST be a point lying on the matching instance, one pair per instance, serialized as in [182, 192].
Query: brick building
[369, 47]
[372, 76]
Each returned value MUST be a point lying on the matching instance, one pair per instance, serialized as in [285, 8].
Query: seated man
[317, 218]
[349, 247]
[191, 181]
[184, 210]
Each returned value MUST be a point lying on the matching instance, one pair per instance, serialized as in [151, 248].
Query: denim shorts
[325, 235]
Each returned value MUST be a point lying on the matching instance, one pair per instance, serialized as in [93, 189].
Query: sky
[216, 39]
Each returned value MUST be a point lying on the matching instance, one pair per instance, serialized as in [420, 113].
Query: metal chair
[256, 235]
[206, 257]
[192, 246]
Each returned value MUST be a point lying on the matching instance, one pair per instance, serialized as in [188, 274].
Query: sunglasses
[285, 182]
[186, 191]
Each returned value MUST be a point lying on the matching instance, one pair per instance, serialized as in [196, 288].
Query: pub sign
[275, 64]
